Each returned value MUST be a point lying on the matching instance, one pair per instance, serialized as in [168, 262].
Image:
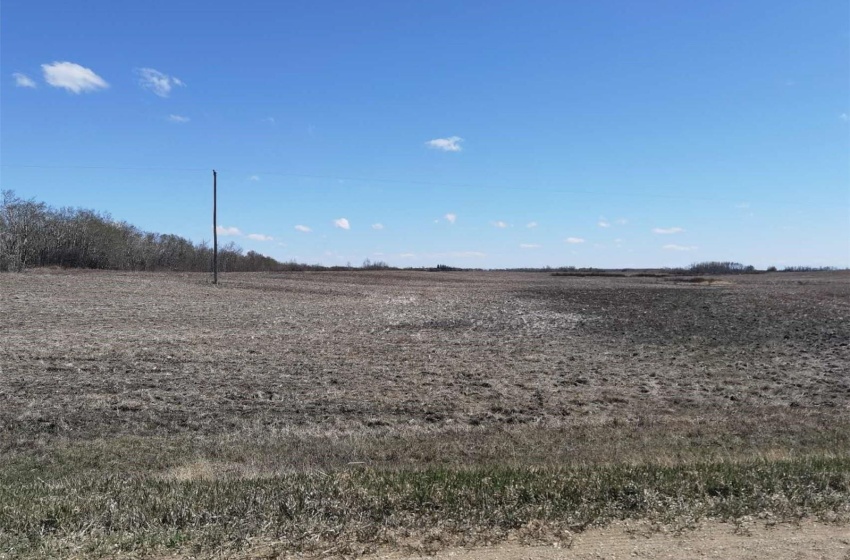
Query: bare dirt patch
[804, 541]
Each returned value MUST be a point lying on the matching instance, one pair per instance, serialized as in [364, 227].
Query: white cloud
[667, 231]
[531, 225]
[844, 117]
[603, 223]
[408, 255]
[254, 178]
[574, 240]
[342, 223]
[22, 80]
[450, 144]
[303, 229]
[451, 218]
[622, 222]
[742, 206]
[500, 224]
[269, 120]
[672, 247]
[260, 237]
[378, 226]
[178, 119]
[72, 77]
[157, 82]
[529, 246]
[228, 231]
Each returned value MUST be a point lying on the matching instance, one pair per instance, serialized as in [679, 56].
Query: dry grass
[162, 383]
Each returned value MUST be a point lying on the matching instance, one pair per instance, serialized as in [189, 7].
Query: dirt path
[807, 541]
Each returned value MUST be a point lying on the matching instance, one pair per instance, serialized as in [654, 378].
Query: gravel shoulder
[805, 541]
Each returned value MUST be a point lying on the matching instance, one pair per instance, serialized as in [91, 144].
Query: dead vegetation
[116, 386]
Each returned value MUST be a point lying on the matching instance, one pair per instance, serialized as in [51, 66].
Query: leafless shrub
[377, 265]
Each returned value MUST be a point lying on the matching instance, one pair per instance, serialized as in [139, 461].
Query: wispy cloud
[72, 77]
[531, 225]
[529, 246]
[342, 223]
[303, 229]
[742, 205]
[603, 223]
[269, 120]
[574, 240]
[228, 231]
[378, 226]
[622, 222]
[254, 178]
[260, 237]
[451, 218]
[667, 231]
[157, 82]
[844, 117]
[500, 224]
[672, 247]
[178, 119]
[450, 144]
[22, 80]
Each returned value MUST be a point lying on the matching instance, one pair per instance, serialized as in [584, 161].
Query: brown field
[165, 377]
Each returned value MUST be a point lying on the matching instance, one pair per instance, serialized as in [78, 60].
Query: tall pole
[215, 230]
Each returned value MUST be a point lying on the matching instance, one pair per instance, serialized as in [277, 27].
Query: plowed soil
[101, 354]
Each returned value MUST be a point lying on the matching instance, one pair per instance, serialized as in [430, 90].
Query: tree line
[33, 234]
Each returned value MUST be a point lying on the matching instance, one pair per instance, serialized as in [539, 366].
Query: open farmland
[340, 411]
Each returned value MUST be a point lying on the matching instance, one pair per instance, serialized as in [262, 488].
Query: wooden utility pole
[215, 230]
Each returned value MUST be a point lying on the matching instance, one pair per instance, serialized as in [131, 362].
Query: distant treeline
[703, 268]
[33, 234]
[715, 267]
[696, 268]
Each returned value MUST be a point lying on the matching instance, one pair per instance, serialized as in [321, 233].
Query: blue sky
[470, 133]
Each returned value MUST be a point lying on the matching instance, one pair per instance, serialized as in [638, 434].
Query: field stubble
[117, 377]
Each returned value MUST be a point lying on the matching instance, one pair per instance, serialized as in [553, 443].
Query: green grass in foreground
[351, 510]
